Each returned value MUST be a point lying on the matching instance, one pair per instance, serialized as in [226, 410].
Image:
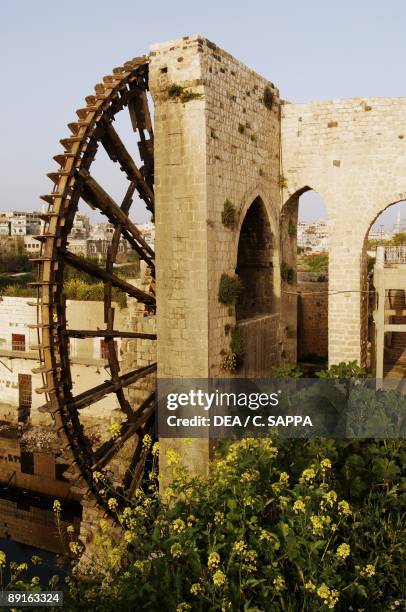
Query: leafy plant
[228, 214]
[287, 273]
[282, 181]
[230, 288]
[178, 91]
[268, 97]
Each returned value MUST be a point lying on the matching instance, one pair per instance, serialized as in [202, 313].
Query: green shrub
[252, 535]
[268, 97]
[268, 529]
[230, 288]
[178, 91]
[228, 214]
[287, 273]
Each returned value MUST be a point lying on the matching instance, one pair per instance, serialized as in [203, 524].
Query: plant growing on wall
[178, 91]
[228, 214]
[291, 228]
[237, 345]
[230, 288]
[287, 273]
[282, 181]
[234, 359]
[268, 97]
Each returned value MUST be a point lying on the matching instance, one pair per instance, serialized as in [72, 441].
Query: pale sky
[53, 53]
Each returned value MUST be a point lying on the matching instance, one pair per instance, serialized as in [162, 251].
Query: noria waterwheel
[124, 91]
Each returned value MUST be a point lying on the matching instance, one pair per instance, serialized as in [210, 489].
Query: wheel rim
[125, 88]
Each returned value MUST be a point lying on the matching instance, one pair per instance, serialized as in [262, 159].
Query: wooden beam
[105, 333]
[91, 396]
[93, 269]
[128, 429]
[116, 150]
[97, 197]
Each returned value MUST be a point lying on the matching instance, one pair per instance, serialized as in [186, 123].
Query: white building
[18, 356]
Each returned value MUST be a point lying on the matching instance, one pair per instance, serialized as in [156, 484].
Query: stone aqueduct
[221, 134]
[227, 145]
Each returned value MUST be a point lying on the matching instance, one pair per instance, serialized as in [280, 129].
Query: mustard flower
[213, 560]
[343, 551]
[219, 578]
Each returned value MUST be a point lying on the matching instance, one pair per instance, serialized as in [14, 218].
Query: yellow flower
[279, 583]
[22, 567]
[325, 464]
[155, 449]
[146, 441]
[57, 506]
[299, 506]
[317, 524]
[75, 548]
[182, 607]
[265, 535]
[310, 586]
[115, 430]
[343, 551]
[250, 560]
[97, 476]
[2, 558]
[103, 525]
[239, 547]
[323, 591]
[139, 566]
[178, 525]
[284, 478]
[70, 529]
[368, 571]
[219, 578]
[128, 537]
[344, 508]
[196, 588]
[172, 457]
[113, 504]
[308, 475]
[169, 493]
[329, 499]
[219, 518]
[191, 519]
[213, 560]
[176, 550]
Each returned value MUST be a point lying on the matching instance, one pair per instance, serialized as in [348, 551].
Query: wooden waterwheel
[125, 90]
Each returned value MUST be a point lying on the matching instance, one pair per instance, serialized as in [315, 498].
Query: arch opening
[255, 264]
[383, 280]
[305, 283]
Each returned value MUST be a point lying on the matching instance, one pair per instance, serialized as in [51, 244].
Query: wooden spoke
[93, 269]
[117, 151]
[95, 196]
[91, 396]
[134, 472]
[110, 448]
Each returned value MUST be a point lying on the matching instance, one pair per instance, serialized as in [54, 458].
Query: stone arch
[304, 305]
[394, 298]
[255, 265]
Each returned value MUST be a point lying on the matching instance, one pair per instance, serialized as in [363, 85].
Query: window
[104, 351]
[18, 342]
[27, 462]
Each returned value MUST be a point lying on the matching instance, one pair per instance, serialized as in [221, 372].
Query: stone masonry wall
[353, 153]
[215, 140]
